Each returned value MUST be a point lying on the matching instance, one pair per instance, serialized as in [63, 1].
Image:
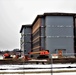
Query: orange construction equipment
[43, 52]
[6, 55]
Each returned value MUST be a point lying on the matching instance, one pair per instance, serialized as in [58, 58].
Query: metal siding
[27, 40]
[59, 33]
[42, 34]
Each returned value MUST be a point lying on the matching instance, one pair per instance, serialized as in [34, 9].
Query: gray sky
[14, 13]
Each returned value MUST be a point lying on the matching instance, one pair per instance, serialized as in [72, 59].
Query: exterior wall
[36, 42]
[59, 33]
[22, 42]
[36, 35]
[42, 33]
[26, 40]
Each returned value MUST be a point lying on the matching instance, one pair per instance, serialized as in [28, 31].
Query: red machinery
[6, 55]
[43, 52]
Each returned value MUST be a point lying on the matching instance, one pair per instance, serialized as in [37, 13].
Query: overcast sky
[14, 13]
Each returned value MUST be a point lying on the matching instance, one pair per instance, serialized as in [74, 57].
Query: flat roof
[23, 26]
[59, 13]
[53, 14]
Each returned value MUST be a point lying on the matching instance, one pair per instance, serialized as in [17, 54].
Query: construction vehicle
[43, 54]
[6, 55]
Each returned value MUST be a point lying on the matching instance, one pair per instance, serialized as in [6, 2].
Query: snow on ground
[38, 70]
[36, 66]
[71, 73]
[10, 68]
[29, 70]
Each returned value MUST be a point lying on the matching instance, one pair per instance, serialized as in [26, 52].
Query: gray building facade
[25, 39]
[59, 34]
[55, 32]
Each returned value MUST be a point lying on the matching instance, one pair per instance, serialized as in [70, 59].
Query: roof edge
[38, 16]
[59, 13]
[53, 14]
[23, 26]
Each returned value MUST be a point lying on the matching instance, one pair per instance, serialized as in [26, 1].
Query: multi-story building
[25, 39]
[54, 32]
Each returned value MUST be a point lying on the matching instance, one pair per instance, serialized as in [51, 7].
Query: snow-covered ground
[47, 66]
[38, 68]
[71, 73]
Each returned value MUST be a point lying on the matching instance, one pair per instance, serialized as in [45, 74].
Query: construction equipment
[43, 52]
[6, 55]
[42, 56]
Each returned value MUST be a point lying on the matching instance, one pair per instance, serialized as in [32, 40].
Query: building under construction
[55, 32]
